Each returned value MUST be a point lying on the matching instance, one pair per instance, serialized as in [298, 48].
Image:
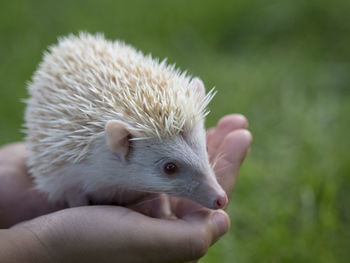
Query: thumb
[204, 228]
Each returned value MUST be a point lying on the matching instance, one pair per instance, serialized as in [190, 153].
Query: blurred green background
[284, 64]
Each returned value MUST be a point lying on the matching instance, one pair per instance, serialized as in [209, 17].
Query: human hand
[18, 200]
[106, 232]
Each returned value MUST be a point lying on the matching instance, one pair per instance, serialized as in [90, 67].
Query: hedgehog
[106, 123]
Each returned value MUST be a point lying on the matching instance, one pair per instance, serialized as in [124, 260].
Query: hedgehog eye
[170, 168]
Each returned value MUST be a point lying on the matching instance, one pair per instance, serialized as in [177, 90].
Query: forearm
[20, 245]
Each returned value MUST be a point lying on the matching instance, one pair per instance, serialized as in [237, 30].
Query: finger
[19, 201]
[154, 205]
[117, 232]
[181, 207]
[13, 153]
[226, 125]
[196, 232]
[233, 150]
[210, 133]
[206, 227]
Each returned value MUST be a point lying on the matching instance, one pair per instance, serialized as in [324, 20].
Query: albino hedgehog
[106, 123]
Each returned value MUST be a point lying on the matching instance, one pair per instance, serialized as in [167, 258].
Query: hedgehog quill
[106, 123]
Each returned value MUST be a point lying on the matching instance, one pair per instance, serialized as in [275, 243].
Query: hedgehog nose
[221, 201]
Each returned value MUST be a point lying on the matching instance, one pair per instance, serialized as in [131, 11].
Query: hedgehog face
[177, 166]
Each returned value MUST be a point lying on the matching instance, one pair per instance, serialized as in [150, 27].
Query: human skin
[37, 231]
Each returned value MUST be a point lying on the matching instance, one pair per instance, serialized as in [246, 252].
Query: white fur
[104, 176]
[85, 81]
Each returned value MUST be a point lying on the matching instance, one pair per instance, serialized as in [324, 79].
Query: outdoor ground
[283, 64]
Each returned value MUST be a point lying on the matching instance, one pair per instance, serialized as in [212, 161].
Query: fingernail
[222, 223]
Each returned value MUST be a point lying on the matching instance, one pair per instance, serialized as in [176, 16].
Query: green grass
[284, 64]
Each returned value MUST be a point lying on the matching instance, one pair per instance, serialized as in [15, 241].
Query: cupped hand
[107, 233]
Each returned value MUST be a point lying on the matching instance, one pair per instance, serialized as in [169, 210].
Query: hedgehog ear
[198, 84]
[118, 135]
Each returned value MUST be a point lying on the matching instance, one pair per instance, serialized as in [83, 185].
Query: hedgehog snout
[221, 201]
[215, 196]
[210, 194]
